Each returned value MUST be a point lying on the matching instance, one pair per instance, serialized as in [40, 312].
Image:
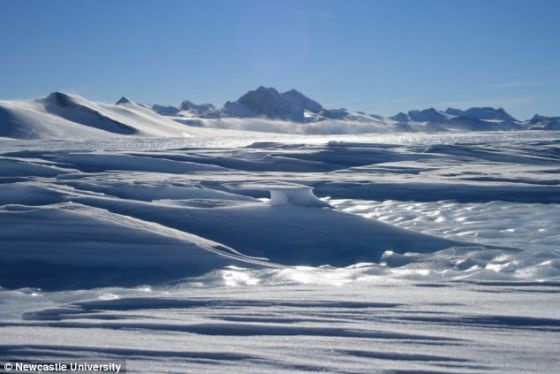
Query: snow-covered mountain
[483, 113]
[270, 103]
[266, 102]
[425, 115]
[543, 123]
[472, 119]
[208, 110]
[61, 115]
[294, 106]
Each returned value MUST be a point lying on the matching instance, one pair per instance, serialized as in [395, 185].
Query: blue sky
[376, 56]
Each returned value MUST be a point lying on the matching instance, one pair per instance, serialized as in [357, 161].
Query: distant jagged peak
[297, 98]
[189, 105]
[454, 111]
[427, 110]
[291, 105]
[537, 118]
[541, 117]
[426, 115]
[269, 102]
[539, 122]
[400, 117]
[261, 94]
[488, 113]
[482, 113]
[165, 110]
[265, 90]
[292, 94]
[293, 91]
[124, 100]
[474, 113]
[295, 94]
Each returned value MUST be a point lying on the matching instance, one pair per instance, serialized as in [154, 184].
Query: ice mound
[301, 196]
[287, 194]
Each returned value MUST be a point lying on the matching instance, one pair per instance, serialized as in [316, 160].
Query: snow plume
[325, 127]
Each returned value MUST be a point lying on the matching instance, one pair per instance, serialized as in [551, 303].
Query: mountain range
[61, 115]
[267, 102]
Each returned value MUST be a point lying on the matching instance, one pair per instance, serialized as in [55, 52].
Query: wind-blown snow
[228, 250]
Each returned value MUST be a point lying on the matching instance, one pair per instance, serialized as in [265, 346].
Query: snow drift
[160, 210]
[64, 246]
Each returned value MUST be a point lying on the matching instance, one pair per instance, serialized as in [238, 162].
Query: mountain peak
[261, 93]
[454, 111]
[537, 117]
[187, 105]
[124, 100]
[61, 99]
[539, 122]
[57, 95]
[426, 115]
[400, 117]
[302, 102]
[266, 89]
[264, 101]
[294, 92]
[488, 113]
[291, 105]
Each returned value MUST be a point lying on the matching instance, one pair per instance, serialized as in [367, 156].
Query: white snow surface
[250, 252]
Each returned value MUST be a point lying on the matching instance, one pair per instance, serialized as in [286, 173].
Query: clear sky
[376, 56]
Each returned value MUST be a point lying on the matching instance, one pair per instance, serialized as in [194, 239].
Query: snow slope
[74, 246]
[64, 116]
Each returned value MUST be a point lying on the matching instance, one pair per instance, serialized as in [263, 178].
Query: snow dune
[77, 246]
[92, 232]
[337, 254]
[264, 201]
